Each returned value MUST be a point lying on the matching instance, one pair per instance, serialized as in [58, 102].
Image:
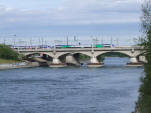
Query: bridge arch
[33, 53]
[102, 55]
[73, 53]
[62, 56]
[126, 54]
[43, 55]
[84, 53]
[141, 54]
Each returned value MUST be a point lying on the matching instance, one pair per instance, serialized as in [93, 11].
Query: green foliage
[144, 102]
[146, 27]
[7, 53]
[83, 57]
[114, 54]
[111, 54]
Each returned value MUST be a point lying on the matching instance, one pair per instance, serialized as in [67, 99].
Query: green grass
[5, 61]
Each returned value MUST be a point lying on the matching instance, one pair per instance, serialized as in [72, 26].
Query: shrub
[8, 53]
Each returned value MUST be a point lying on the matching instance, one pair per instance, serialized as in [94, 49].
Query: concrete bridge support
[134, 62]
[94, 62]
[142, 59]
[70, 60]
[57, 63]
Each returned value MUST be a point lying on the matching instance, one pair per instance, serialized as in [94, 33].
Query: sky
[56, 19]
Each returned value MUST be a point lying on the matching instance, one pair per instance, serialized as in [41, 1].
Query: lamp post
[67, 41]
[8, 36]
[111, 42]
[92, 50]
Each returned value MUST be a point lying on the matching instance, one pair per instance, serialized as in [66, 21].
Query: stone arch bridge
[134, 53]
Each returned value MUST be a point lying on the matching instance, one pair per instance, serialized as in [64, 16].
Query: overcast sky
[70, 17]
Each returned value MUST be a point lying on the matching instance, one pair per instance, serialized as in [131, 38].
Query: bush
[8, 53]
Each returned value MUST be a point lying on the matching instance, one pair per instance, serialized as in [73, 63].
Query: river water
[111, 89]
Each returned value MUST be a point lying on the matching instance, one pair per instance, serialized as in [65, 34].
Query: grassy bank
[7, 61]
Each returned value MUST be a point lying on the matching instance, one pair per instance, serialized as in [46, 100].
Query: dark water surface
[112, 89]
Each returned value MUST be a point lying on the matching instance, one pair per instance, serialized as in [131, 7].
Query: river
[111, 89]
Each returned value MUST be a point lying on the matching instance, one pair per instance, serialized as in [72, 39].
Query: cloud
[73, 12]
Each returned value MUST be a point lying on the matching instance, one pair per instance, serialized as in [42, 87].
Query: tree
[144, 102]
[146, 27]
[7, 53]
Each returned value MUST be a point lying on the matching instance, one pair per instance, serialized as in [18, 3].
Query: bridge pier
[70, 60]
[57, 63]
[94, 62]
[134, 62]
[142, 59]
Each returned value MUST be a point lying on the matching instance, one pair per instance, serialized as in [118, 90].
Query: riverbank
[17, 65]
[6, 61]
